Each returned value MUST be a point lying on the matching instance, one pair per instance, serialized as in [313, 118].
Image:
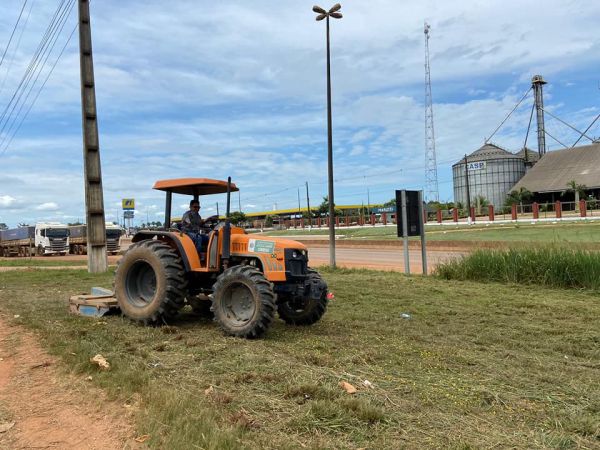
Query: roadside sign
[128, 204]
[413, 213]
[411, 223]
[384, 209]
[128, 214]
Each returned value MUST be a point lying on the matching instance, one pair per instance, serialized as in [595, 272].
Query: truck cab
[51, 238]
[113, 237]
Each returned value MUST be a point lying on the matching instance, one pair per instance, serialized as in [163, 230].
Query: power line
[54, 39]
[43, 52]
[39, 92]
[34, 60]
[13, 32]
[16, 48]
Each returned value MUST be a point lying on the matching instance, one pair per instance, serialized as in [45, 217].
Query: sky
[238, 88]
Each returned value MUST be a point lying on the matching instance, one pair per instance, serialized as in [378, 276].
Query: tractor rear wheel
[243, 302]
[307, 310]
[150, 282]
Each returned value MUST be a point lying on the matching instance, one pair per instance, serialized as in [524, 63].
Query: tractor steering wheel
[211, 222]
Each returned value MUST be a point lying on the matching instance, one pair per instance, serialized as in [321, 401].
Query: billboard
[128, 204]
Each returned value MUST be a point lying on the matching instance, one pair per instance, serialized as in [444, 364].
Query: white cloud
[48, 206]
[6, 200]
[251, 102]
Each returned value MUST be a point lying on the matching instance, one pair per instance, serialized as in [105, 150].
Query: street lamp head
[336, 15]
[335, 8]
[319, 10]
[321, 16]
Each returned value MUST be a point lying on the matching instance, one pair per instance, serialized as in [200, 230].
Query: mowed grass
[475, 366]
[576, 232]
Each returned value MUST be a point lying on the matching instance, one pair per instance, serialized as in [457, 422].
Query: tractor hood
[263, 244]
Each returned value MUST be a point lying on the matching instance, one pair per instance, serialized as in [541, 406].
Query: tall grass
[551, 266]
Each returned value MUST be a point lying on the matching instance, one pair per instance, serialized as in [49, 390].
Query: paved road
[379, 258]
[373, 258]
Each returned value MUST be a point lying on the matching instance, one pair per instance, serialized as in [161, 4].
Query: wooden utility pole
[94, 199]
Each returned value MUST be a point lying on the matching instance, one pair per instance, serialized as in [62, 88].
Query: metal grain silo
[492, 172]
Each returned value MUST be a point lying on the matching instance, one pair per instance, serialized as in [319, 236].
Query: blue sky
[212, 89]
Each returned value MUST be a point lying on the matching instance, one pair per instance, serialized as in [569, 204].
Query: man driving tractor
[192, 223]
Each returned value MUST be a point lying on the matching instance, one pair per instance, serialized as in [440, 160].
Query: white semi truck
[78, 239]
[50, 238]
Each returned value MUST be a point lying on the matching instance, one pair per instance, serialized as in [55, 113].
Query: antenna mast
[431, 180]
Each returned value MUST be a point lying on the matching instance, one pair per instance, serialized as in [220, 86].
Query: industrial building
[550, 177]
[491, 172]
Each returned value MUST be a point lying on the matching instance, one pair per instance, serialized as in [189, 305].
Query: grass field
[35, 262]
[564, 232]
[476, 365]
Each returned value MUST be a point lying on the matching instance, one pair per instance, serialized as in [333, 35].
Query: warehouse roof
[555, 169]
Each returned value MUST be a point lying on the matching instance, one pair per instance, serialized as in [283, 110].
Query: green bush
[546, 266]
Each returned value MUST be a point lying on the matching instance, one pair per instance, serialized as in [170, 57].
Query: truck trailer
[78, 239]
[41, 239]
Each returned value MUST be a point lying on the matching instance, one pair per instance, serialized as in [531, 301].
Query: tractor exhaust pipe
[227, 228]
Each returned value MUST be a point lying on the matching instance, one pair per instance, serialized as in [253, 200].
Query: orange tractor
[239, 279]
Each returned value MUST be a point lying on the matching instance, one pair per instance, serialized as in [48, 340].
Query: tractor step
[97, 304]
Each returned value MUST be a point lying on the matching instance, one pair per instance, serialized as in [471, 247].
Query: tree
[577, 189]
[323, 208]
[306, 216]
[518, 197]
[391, 202]
[481, 202]
[3, 226]
[591, 200]
[268, 221]
[237, 217]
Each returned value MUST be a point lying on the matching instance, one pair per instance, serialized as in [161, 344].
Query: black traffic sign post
[409, 219]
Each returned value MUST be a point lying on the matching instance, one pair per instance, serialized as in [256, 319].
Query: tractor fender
[182, 242]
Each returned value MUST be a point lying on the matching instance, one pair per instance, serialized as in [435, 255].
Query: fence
[489, 213]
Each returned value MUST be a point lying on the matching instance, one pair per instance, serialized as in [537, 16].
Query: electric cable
[13, 32]
[54, 39]
[33, 63]
[16, 48]
[39, 91]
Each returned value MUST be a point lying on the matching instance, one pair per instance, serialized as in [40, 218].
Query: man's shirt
[191, 222]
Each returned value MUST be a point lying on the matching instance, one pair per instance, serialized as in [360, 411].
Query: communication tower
[431, 180]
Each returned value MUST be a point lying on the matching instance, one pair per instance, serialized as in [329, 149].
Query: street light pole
[322, 14]
[308, 207]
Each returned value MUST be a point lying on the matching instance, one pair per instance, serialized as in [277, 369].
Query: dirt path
[46, 407]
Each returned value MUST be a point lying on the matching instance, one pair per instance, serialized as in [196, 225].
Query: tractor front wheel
[243, 302]
[150, 283]
[309, 309]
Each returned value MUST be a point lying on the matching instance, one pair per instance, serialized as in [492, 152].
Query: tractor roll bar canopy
[194, 186]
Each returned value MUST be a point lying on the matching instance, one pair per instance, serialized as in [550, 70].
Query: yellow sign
[128, 203]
